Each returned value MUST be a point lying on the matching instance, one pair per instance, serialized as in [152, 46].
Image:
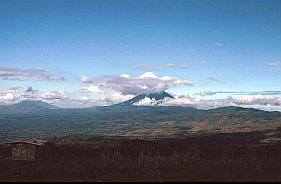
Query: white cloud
[116, 98]
[125, 75]
[53, 95]
[91, 89]
[16, 95]
[8, 96]
[148, 82]
[146, 102]
[147, 75]
[107, 99]
[265, 100]
[259, 100]
[182, 100]
[60, 98]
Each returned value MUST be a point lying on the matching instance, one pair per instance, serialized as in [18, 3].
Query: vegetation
[221, 157]
[141, 122]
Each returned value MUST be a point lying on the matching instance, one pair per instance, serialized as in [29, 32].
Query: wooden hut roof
[30, 141]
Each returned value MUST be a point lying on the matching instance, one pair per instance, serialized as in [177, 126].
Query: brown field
[219, 157]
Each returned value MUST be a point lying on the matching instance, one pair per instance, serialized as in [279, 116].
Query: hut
[25, 150]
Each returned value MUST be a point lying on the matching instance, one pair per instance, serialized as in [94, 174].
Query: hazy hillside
[26, 106]
[136, 121]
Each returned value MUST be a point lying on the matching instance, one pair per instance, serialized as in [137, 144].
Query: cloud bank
[256, 101]
[64, 99]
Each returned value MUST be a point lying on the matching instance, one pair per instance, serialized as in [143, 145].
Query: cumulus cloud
[169, 65]
[35, 74]
[146, 102]
[116, 98]
[52, 95]
[257, 101]
[10, 96]
[105, 100]
[7, 96]
[91, 89]
[182, 100]
[125, 75]
[60, 98]
[17, 94]
[147, 75]
[148, 82]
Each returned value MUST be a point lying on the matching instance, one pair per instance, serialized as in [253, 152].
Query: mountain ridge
[136, 121]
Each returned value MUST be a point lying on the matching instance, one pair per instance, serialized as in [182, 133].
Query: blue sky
[239, 42]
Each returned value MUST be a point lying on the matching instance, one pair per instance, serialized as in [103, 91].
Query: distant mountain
[26, 106]
[155, 96]
[135, 121]
[130, 120]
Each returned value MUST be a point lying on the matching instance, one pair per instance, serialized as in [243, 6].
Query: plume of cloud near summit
[31, 90]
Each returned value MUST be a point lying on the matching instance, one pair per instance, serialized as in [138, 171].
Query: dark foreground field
[222, 157]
